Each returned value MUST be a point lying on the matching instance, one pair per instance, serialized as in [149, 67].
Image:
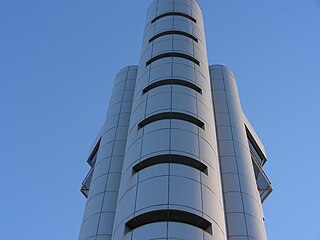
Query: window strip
[169, 215]
[172, 82]
[174, 14]
[173, 32]
[255, 146]
[171, 115]
[171, 158]
[173, 54]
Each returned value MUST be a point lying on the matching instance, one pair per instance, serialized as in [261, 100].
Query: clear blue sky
[58, 59]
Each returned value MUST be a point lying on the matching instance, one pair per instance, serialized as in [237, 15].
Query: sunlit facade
[176, 157]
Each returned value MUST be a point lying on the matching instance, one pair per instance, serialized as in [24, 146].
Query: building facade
[176, 157]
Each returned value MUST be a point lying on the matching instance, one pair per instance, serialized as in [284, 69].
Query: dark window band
[174, 14]
[173, 32]
[173, 54]
[255, 146]
[171, 158]
[171, 115]
[172, 82]
[169, 216]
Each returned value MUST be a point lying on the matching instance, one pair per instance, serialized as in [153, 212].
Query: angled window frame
[86, 183]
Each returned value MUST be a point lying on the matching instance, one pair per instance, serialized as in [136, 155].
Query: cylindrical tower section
[110, 149]
[170, 187]
[243, 210]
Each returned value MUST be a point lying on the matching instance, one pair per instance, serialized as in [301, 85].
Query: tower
[176, 157]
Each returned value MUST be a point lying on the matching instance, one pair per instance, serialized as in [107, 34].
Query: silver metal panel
[243, 210]
[103, 193]
[173, 158]
[170, 185]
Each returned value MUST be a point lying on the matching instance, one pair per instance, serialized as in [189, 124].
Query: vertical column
[103, 193]
[243, 208]
[170, 186]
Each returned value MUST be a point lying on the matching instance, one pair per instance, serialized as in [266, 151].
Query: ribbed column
[243, 210]
[102, 198]
[170, 186]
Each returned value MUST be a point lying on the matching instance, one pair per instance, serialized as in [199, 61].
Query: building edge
[242, 156]
[106, 159]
